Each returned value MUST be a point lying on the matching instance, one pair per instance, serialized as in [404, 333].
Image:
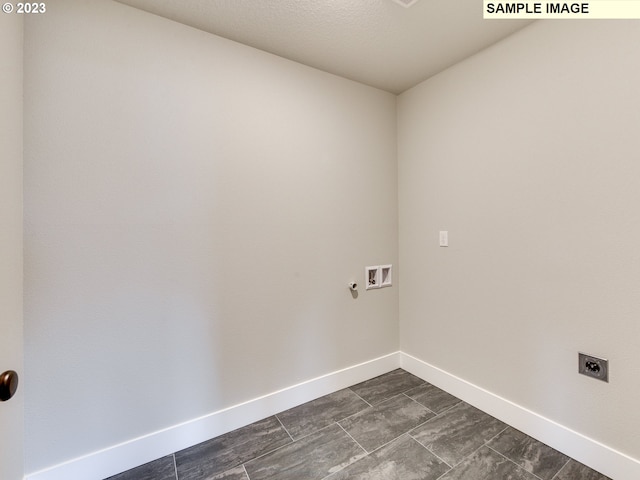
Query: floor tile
[433, 398]
[457, 432]
[237, 473]
[411, 429]
[220, 454]
[319, 413]
[486, 464]
[378, 425]
[385, 386]
[532, 455]
[310, 458]
[402, 459]
[161, 469]
[575, 470]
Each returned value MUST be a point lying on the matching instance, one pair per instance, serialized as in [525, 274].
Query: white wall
[194, 210]
[11, 412]
[527, 153]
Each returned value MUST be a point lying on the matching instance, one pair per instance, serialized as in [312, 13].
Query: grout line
[360, 397]
[310, 433]
[451, 407]
[290, 443]
[254, 458]
[433, 418]
[432, 453]
[422, 405]
[333, 474]
[417, 386]
[391, 441]
[418, 426]
[511, 461]
[483, 445]
[373, 406]
[427, 449]
[468, 456]
[445, 473]
[175, 466]
[354, 414]
[266, 453]
[363, 449]
[497, 435]
[285, 428]
[561, 468]
[366, 454]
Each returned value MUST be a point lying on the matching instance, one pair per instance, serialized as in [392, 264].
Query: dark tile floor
[395, 426]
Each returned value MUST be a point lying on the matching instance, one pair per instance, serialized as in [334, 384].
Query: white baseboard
[118, 458]
[138, 451]
[600, 457]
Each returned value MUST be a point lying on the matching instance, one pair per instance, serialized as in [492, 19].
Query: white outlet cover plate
[444, 238]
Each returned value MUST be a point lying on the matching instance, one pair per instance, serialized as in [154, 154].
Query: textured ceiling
[376, 42]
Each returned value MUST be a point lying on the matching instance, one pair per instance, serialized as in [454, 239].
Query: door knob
[8, 385]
